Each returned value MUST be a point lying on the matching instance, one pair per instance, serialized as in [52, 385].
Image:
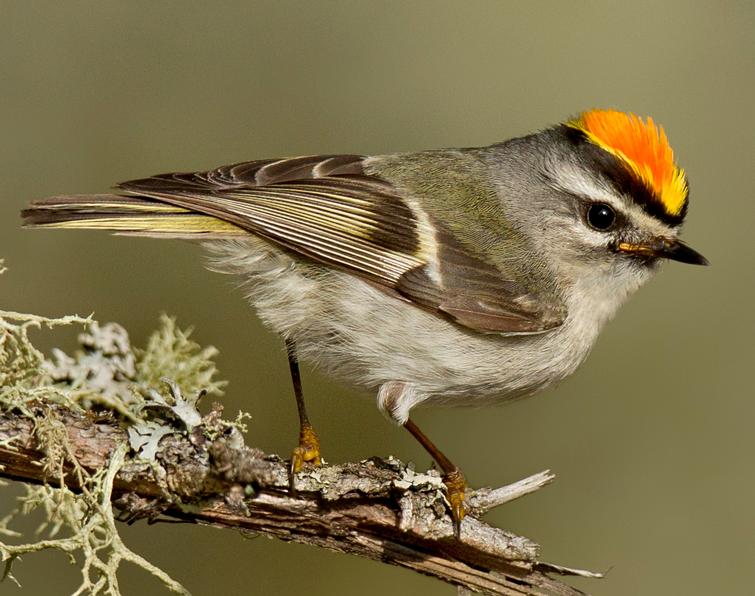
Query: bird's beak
[664, 248]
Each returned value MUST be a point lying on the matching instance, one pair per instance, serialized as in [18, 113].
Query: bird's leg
[454, 480]
[308, 449]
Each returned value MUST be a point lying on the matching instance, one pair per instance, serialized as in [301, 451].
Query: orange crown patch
[643, 147]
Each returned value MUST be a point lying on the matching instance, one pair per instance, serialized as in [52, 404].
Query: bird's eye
[600, 216]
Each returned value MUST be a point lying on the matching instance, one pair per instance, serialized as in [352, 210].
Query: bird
[451, 276]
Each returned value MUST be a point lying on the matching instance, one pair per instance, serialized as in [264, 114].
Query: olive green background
[652, 439]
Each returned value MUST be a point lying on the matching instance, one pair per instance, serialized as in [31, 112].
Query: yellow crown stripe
[643, 147]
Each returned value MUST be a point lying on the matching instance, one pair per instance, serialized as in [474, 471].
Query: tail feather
[129, 215]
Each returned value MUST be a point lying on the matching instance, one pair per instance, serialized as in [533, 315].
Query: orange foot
[456, 486]
[308, 451]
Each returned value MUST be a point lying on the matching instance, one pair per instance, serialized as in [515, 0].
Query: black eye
[600, 216]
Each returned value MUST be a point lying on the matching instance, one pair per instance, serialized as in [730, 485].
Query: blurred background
[652, 439]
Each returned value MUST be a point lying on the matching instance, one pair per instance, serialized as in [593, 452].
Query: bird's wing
[329, 209]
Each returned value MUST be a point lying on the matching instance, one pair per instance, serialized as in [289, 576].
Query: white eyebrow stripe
[572, 179]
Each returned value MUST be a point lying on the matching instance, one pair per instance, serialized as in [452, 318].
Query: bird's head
[602, 198]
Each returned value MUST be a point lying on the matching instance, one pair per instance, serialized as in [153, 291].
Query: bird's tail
[129, 215]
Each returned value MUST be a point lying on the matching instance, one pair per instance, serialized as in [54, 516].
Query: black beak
[664, 248]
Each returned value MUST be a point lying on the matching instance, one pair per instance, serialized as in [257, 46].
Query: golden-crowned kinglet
[456, 276]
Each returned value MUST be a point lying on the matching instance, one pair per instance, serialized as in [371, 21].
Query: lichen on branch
[105, 376]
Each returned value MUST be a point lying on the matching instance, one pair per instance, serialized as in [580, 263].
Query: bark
[378, 508]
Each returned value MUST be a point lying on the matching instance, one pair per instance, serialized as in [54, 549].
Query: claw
[456, 486]
[308, 451]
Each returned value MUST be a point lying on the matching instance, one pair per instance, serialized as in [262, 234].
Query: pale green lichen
[109, 372]
[172, 354]
[20, 362]
[145, 387]
[88, 519]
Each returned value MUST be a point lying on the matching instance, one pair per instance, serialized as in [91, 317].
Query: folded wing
[330, 210]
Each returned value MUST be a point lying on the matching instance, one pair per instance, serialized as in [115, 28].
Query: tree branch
[380, 509]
